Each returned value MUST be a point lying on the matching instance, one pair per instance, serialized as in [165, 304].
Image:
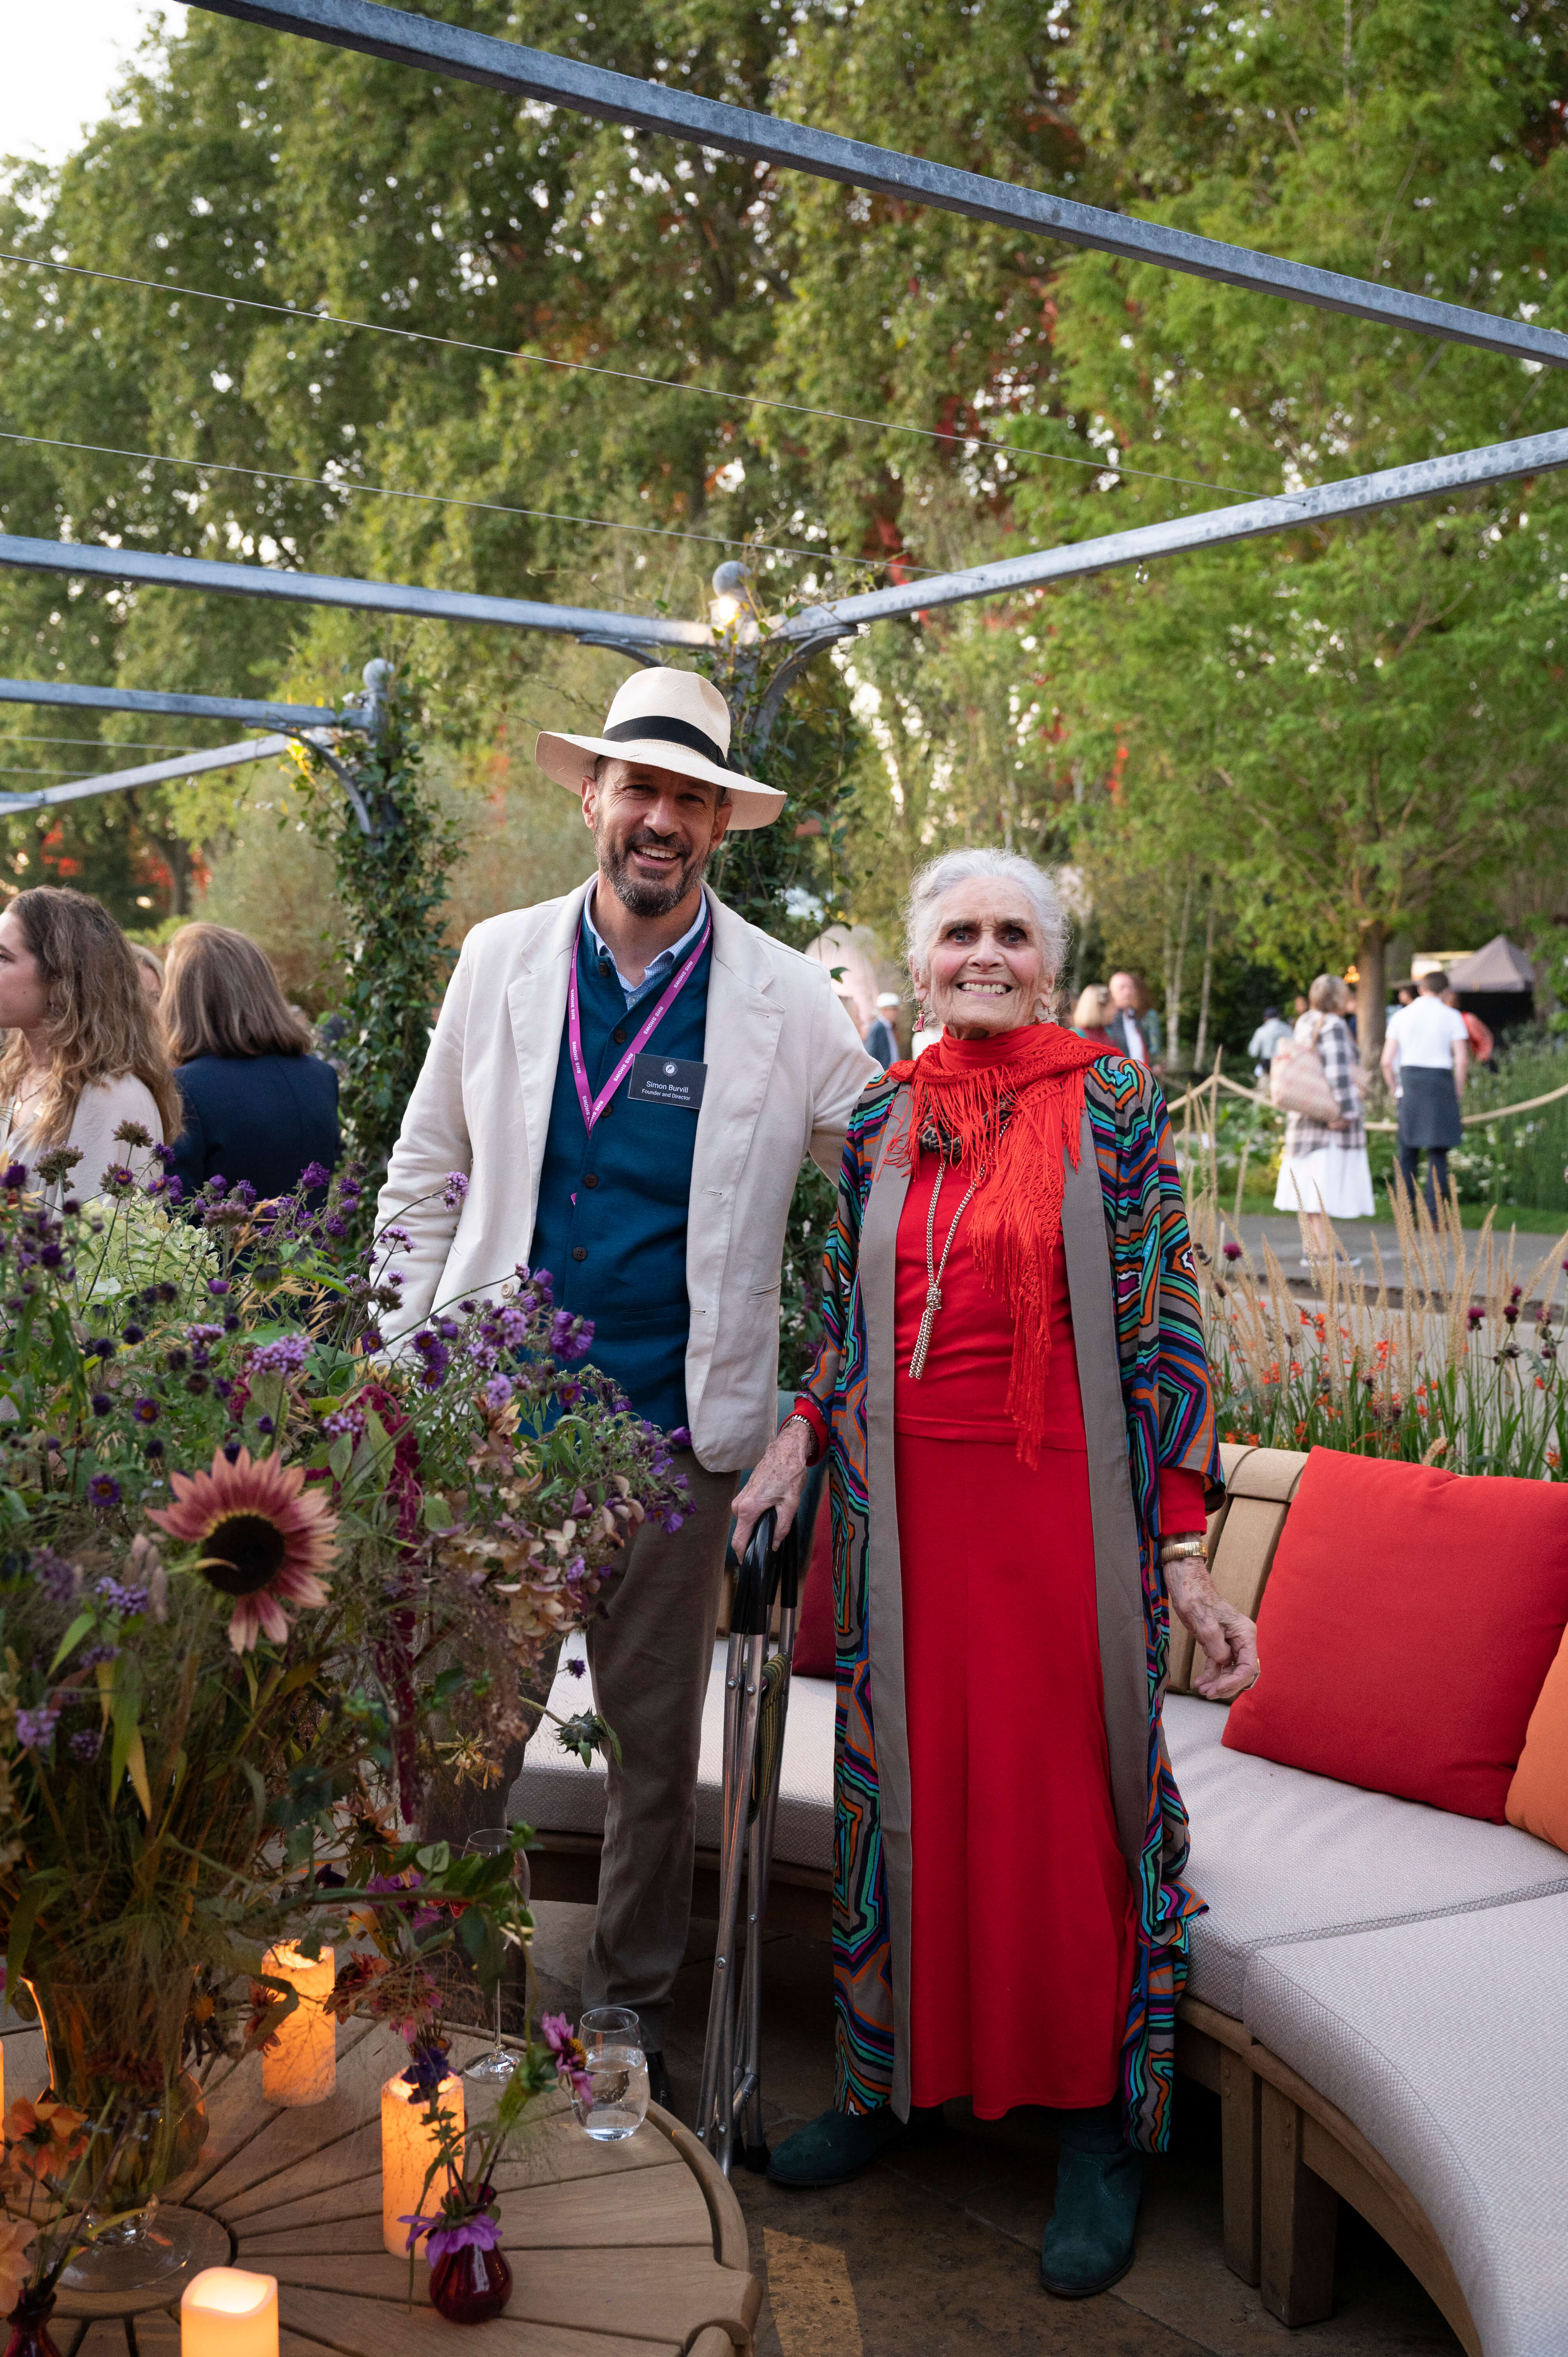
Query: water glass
[498, 2064]
[616, 2104]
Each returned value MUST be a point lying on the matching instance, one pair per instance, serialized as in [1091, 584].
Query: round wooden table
[635, 2249]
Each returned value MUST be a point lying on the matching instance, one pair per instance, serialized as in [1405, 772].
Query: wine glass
[489, 1841]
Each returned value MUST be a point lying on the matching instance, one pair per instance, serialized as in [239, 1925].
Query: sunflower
[263, 1538]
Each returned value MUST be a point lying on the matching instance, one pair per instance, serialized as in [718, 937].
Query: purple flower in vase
[476, 2233]
[427, 2064]
[570, 2058]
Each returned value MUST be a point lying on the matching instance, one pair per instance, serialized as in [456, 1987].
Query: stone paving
[934, 2252]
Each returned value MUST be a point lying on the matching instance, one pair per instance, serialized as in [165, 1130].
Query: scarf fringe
[1016, 1122]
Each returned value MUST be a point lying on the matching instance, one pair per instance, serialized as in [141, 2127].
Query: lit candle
[224, 2312]
[408, 2147]
[301, 2065]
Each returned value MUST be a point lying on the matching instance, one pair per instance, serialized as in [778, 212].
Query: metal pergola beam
[456, 53]
[1500, 462]
[150, 773]
[90, 562]
[154, 703]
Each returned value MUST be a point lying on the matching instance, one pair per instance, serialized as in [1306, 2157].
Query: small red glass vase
[29, 2322]
[468, 2285]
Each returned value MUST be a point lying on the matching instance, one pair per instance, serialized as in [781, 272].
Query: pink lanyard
[594, 1106]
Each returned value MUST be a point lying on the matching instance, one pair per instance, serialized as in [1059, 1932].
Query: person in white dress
[85, 1054]
[1324, 1174]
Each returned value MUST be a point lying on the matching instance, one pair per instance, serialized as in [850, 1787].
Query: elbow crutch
[756, 1700]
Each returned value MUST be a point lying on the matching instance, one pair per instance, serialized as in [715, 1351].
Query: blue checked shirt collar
[663, 965]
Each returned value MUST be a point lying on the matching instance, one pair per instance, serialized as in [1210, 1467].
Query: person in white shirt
[1429, 1048]
[1265, 1040]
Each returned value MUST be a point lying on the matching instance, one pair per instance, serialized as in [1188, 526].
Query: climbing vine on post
[393, 852]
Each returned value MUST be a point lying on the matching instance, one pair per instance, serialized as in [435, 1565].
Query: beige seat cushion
[1444, 2042]
[556, 1794]
[1282, 1856]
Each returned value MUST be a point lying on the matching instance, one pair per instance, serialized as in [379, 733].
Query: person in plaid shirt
[1324, 1174]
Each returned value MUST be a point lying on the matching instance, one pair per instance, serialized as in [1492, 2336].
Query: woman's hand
[777, 1483]
[1229, 1640]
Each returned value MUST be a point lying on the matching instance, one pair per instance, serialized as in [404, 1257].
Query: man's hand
[1229, 1640]
[777, 1483]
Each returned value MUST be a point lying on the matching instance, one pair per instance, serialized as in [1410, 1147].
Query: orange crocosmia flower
[41, 2138]
[263, 1538]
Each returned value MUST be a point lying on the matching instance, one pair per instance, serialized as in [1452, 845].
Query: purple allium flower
[35, 1728]
[57, 1578]
[132, 1335]
[315, 1174]
[17, 1177]
[231, 1322]
[218, 1285]
[457, 1187]
[154, 1448]
[574, 1665]
[100, 1403]
[100, 1346]
[87, 1742]
[265, 1423]
[231, 1451]
[51, 1256]
[498, 1392]
[104, 1491]
[146, 1411]
[285, 1357]
[121, 1599]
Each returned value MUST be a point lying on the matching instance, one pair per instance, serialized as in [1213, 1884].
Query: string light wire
[627, 376]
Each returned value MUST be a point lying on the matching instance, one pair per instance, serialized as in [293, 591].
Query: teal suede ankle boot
[836, 2146]
[1090, 2240]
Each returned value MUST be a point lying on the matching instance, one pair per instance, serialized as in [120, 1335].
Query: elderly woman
[1014, 1395]
[1324, 1174]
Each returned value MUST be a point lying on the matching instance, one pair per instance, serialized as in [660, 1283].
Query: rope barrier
[1390, 1128]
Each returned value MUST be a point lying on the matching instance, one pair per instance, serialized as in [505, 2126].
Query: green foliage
[391, 883]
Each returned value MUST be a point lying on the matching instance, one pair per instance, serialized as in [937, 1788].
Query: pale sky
[62, 59]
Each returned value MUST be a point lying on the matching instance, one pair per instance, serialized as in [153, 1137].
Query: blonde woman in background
[83, 1055]
[149, 970]
[1324, 1174]
[1091, 1016]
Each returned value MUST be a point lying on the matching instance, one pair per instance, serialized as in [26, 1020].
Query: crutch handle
[755, 1583]
[786, 1575]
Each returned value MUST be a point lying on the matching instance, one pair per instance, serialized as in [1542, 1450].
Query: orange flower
[263, 1538]
[16, 2234]
[42, 2137]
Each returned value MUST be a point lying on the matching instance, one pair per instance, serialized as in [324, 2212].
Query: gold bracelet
[1176, 1550]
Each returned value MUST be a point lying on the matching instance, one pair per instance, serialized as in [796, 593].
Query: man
[1265, 1040]
[630, 1077]
[1429, 1048]
[879, 1038]
[1483, 1047]
[1134, 1027]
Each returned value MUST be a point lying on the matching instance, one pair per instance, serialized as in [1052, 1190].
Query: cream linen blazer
[785, 1067]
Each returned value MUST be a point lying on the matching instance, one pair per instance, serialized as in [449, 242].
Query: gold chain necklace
[935, 1271]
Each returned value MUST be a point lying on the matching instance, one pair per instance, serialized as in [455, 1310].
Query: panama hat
[676, 721]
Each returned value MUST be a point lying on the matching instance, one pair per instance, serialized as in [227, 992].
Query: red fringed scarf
[1012, 1107]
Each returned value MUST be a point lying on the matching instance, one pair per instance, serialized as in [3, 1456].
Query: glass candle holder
[301, 2065]
[408, 2147]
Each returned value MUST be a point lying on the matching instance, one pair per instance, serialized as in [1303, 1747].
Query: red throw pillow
[1407, 1627]
[815, 1639]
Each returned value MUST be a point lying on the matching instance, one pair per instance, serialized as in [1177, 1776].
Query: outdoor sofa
[1379, 1991]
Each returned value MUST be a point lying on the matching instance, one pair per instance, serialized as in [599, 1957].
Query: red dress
[1024, 1922]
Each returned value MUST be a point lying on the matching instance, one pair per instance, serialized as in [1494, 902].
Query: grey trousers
[650, 1656]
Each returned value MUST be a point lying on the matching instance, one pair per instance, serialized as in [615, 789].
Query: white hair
[939, 876]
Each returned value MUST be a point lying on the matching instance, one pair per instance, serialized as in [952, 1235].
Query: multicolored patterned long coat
[1147, 1404]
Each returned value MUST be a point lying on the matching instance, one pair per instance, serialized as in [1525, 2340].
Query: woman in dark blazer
[258, 1105]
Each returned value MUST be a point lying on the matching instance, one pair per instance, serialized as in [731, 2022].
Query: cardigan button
[619, 1035]
[579, 1252]
[591, 1178]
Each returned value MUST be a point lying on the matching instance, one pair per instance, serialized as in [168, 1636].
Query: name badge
[667, 1080]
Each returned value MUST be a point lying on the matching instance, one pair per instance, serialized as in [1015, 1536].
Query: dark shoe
[659, 2083]
[1088, 2242]
[836, 2146]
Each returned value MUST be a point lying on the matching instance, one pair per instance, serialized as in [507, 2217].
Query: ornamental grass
[1449, 1353]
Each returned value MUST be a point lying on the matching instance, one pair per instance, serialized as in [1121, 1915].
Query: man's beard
[647, 900]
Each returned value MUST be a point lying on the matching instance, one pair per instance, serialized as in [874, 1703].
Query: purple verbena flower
[120, 1598]
[35, 1728]
[87, 1742]
[58, 1579]
[457, 1187]
[344, 1424]
[286, 1356]
[498, 1392]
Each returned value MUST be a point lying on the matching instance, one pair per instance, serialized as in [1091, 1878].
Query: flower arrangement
[259, 1579]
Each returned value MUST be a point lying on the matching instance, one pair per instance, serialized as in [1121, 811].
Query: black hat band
[664, 731]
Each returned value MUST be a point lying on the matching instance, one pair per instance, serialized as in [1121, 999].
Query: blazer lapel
[744, 1020]
[536, 1005]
